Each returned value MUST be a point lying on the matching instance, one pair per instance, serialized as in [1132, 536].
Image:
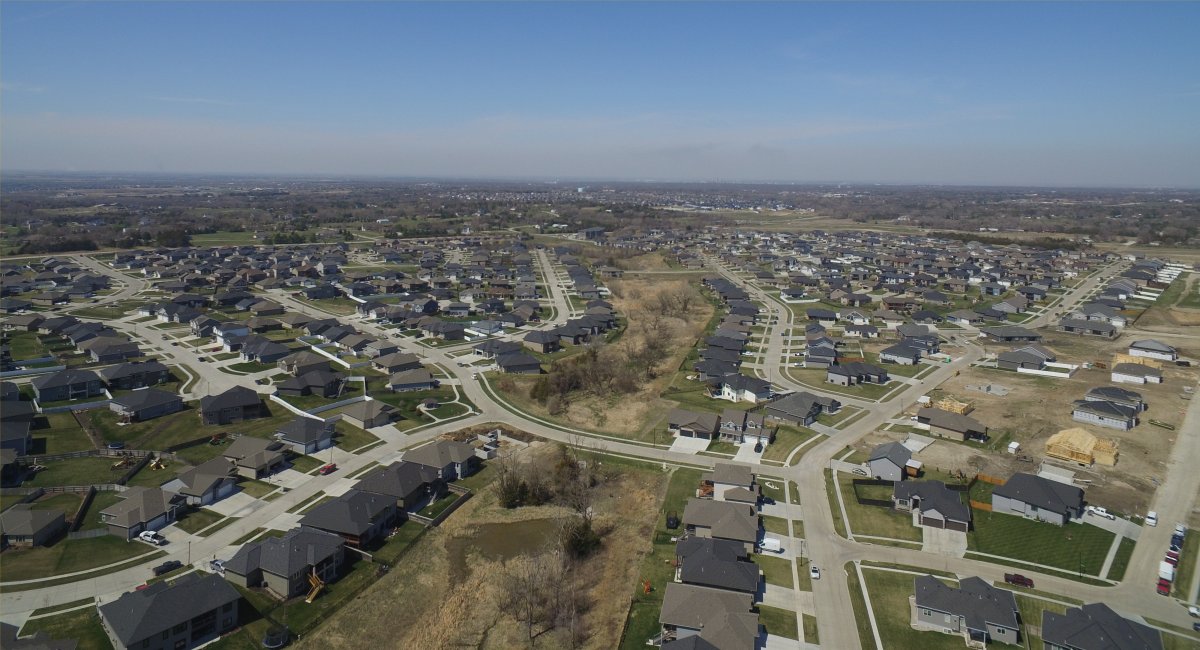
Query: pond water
[499, 541]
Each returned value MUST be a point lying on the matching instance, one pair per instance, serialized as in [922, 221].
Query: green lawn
[26, 345]
[1187, 564]
[58, 433]
[158, 433]
[65, 502]
[778, 622]
[815, 377]
[102, 501]
[889, 594]
[777, 525]
[1116, 571]
[82, 625]
[787, 438]
[656, 567]
[866, 639]
[77, 471]
[197, 520]
[875, 520]
[776, 571]
[810, 629]
[304, 464]
[434, 509]
[251, 367]
[71, 555]
[1072, 547]
[349, 437]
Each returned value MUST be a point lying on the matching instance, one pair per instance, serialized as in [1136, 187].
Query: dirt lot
[1037, 407]
[445, 592]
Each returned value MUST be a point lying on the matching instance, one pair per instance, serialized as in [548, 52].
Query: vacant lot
[448, 580]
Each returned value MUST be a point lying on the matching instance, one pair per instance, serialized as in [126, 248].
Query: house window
[926, 612]
[179, 629]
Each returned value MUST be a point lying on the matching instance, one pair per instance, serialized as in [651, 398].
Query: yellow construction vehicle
[317, 585]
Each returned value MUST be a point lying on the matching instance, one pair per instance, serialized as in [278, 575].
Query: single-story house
[141, 508]
[1096, 626]
[205, 483]
[145, 404]
[1136, 373]
[1034, 497]
[22, 525]
[359, 517]
[236, 404]
[1105, 414]
[937, 505]
[283, 565]
[409, 380]
[975, 610]
[945, 424]
[692, 424]
[186, 613]
[305, 435]
[253, 457]
[451, 459]
[1153, 349]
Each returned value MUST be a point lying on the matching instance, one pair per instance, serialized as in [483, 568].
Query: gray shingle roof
[976, 601]
[139, 614]
[1041, 492]
[1097, 627]
[298, 549]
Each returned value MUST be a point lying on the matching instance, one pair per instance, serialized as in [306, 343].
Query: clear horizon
[1088, 95]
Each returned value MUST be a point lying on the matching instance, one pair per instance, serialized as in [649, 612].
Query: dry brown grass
[417, 606]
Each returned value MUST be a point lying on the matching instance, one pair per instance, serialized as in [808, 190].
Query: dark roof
[703, 566]
[234, 397]
[304, 430]
[298, 549]
[146, 398]
[893, 451]
[397, 480]
[1113, 393]
[1105, 408]
[137, 615]
[975, 600]
[64, 378]
[130, 369]
[1097, 627]
[351, 513]
[934, 495]
[1041, 492]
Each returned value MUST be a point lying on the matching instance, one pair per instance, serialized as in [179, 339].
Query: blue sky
[1019, 93]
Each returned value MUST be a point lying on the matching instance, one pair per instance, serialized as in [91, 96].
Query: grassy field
[197, 520]
[158, 433]
[866, 639]
[776, 571]
[71, 555]
[82, 625]
[643, 612]
[787, 438]
[875, 520]
[778, 622]
[65, 502]
[1073, 547]
[76, 471]
[1116, 571]
[1187, 565]
[59, 433]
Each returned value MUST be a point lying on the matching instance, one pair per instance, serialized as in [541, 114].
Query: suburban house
[1034, 497]
[67, 384]
[901, 353]
[976, 610]
[720, 618]
[519, 363]
[303, 362]
[802, 407]
[410, 380]
[743, 388]
[253, 457]
[370, 414]
[359, 517]
[205, 483]
[283, 565]
[1136, 373]
[1096, 626]
[716, 563]
[305, 435]
[856, 372]
[145, 404]
[187, 613]
[729, 520]
[541, 341]
[1153, 349]
[1105, 414]
[396, 362]
[731, 482]
[937, 505]
[412, 485]
[692, 424]
[945, 424]
[141, 508]
[22, 525]
[741, 426]
[1117, 395]
[1010, 333]
[236, 404]
[322, 383]
[892, 461]
[135, 374]
[450, 459]
[1089, 327]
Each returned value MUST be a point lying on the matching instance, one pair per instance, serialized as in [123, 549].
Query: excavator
[317, 585]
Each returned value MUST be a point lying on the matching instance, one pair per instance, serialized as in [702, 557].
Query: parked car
[1164, 587]
[116, 445]
[327, 469]
[1018, 580]
[216, 565]
[1100, 512]
[151, 537]
[167, 567]
[1193, 611]
[814, 572]
[1152, 518]
[1176, 540]
[1172, 557]
[1180, 529]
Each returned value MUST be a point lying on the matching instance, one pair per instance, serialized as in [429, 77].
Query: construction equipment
[954, 406]
[1080, 446]
[317, 585]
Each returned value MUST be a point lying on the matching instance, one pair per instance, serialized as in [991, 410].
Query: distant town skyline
[1033, 94]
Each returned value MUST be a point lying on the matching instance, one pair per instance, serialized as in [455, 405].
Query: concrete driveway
[941, 541]
[1117, 526]
[236, 505]
[686, 445]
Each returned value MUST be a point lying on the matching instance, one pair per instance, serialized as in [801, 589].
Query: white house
[1153, 349]
[1136, 373]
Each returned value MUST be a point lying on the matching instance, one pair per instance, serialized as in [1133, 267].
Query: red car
[1164, 587]
[1018, 579]
[327, 469]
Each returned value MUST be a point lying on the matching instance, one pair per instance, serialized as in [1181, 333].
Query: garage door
[957, 525]
[931, 522]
